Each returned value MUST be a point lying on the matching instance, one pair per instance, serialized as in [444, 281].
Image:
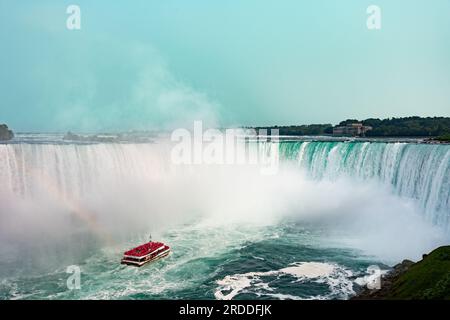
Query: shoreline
[60, 138]
[426, 279]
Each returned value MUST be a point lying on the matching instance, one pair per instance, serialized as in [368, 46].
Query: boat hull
[130, 262]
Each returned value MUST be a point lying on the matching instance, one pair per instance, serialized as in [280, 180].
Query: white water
[416, 171]
[334, 276]
[116, 190]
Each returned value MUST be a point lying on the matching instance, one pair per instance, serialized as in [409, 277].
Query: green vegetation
[301, 130]
[392, 127]
[5, 133]
[408, 127]
[426, 279]
[444, 138]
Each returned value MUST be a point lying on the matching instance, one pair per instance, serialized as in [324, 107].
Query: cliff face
[5, 133]
[426, 279]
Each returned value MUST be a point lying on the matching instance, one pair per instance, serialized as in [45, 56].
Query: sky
[147, 64]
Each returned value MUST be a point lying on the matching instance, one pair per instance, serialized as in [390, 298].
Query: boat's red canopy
[144, 249]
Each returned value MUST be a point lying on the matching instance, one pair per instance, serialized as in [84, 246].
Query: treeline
[443, 138]
[5, 133]
[301, 130]
[405, 127]
[391, 127]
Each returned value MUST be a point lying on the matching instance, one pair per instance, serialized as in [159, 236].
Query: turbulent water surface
[310, 231]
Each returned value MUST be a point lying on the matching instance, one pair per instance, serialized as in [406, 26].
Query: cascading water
[74, 168]
[417, 171]
[230, 227]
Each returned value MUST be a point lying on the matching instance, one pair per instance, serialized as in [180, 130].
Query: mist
[120, 193]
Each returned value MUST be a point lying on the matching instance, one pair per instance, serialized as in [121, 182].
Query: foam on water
[65, 204]
[309, 270]
[337, 279]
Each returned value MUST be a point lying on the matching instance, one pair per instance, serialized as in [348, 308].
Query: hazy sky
[158, 64]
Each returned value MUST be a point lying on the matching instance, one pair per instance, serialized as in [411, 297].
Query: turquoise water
[309, 232]
[196, 267]
[417, 171]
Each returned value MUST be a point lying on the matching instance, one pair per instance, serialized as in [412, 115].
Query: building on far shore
[351, 129]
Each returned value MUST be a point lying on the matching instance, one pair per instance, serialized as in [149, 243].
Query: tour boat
[145, 253]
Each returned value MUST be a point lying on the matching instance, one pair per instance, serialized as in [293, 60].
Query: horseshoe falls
[310, 231]
[416, 171]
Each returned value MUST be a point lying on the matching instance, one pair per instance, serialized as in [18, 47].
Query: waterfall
[72, 169]
[417, 171]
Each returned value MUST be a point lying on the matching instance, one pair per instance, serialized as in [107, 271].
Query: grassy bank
[426, 279]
